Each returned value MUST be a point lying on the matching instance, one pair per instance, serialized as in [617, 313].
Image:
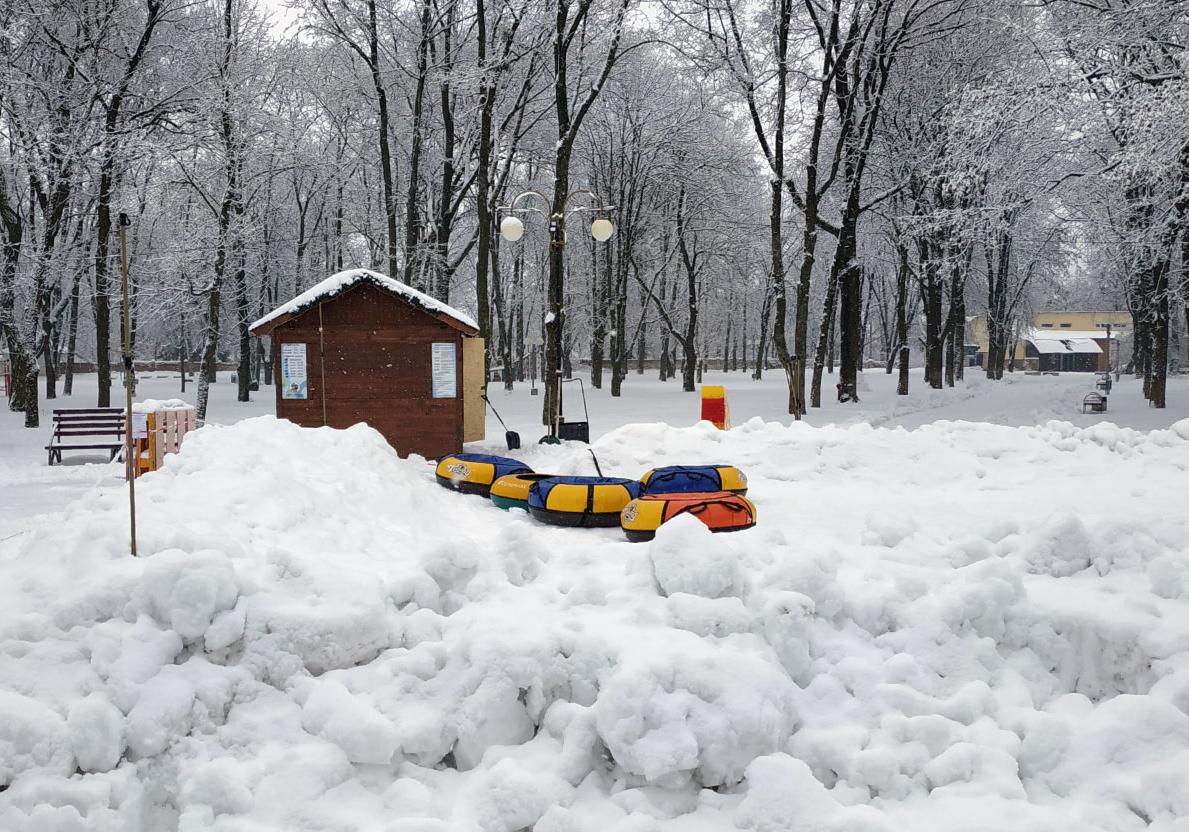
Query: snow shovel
[510, 436]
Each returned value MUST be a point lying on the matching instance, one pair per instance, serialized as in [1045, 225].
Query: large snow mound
[965, 622]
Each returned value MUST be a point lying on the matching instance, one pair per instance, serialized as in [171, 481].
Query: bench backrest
[88, 421]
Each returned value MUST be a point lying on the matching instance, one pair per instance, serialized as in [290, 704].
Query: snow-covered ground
[976, 624]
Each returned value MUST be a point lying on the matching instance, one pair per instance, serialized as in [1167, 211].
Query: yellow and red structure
[161, 434]
[714, 406]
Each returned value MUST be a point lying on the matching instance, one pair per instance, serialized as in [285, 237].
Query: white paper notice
[140, 426]
[444, 371]
[293, 372]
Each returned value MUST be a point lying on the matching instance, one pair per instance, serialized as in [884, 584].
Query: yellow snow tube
[511, 491]
[474, 473]
[581, 501]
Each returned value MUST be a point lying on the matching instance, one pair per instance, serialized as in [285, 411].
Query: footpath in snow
[964, 626]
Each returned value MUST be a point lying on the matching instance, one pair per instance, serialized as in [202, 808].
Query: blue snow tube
[693, 479]
[581, 501]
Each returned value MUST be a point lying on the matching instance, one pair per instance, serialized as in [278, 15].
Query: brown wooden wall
[376, 351]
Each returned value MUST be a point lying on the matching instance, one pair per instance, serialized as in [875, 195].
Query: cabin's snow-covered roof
[336, 284]
[1061, 345]
[1058, 334]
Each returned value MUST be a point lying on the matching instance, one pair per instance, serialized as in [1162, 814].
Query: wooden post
[129, 460]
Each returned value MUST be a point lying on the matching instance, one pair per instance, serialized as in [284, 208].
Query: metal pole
[557, 242]
[129, 461]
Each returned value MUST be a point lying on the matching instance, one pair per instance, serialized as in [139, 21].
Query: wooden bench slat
[112, 432]
[71, 423]
[57, 410]
[89, 421]
[105, 445]
[89, 417]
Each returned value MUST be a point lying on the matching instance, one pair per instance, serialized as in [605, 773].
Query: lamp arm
[599, 209]
[597, 201]
[511, 208]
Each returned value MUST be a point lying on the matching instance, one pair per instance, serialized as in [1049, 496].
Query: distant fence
[149, 366]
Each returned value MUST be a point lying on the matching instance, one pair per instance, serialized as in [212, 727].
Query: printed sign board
[444, 371]
[293, 372]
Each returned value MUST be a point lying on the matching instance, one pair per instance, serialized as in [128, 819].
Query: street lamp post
[512, 229]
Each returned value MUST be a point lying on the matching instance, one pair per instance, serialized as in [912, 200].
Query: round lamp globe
[511, 229]
[602, 229]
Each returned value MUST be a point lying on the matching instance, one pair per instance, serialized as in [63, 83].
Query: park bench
[99, 428]
[1094, 403]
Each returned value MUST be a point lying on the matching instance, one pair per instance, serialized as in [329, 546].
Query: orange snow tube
[721, 511]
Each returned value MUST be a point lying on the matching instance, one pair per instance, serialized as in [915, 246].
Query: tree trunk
[762, 340]
[72, 337]
[902, 274]
[555, 288]
[819, 358]
[373, 37]
[483, 255]
[1159, 362]
[243, 375]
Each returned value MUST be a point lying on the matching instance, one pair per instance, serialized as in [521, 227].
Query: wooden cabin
[362, 347]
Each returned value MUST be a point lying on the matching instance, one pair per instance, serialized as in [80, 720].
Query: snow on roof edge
[339, 282]
[1057, 334]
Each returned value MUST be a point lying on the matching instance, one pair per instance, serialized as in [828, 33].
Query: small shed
[1068, 351]
[362, 347]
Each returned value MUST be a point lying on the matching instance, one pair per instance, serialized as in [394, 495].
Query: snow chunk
[329, 621]
[508, 797]
[687, 557]
[783, 796]
[33, 738]
[493, 715]
[129, 656]
[184, 591]
[350, 722]
[220, 785]
[702, 712]
[1181, 429]
[708, 617]
[407, 797]
[162, 713]
[96, 733]
[788, 627]
[1060, 548]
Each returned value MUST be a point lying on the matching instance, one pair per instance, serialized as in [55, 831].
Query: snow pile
[965, 621]
[158, 405]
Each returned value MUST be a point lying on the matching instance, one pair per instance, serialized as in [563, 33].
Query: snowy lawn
[963, 626]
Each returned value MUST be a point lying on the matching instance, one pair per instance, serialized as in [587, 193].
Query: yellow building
[1069, 340]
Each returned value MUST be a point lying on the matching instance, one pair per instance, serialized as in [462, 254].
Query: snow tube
[474, 473]
[511, 491]
[694, 479]
[721, 511]
[581, 501]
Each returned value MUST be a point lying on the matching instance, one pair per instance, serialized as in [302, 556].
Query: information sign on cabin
[362, 347]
